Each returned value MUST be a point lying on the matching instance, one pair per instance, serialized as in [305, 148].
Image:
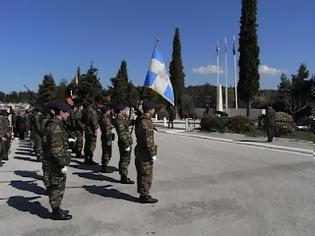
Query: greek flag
[157, 78]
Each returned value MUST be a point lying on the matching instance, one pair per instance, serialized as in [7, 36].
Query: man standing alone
[270, 122]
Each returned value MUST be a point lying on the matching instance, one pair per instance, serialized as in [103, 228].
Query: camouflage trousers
[55, 183]
[124, 160]
[144, 176]
[106, 152]
[38, 146]
[90, 144]
[79, 143]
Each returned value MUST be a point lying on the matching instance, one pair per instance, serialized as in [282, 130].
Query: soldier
[106, 138]
[4, 136]
[124, 142]
[90, 120]
[79, 128]
[145, 152]
[56, 158]
[21, 125]
[36, 124]
[270, 122]
[171, 116]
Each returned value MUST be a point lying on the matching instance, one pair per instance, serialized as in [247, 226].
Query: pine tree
[89, 85]
[177, 75]
[248, 84]
[47, 90]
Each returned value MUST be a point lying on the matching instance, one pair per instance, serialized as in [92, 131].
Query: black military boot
[58, 214]
[147, 199]
[125, 180]
[105, 169]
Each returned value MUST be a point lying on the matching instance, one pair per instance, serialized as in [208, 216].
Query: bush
[213, 123]
[240, 124]
[284, 124]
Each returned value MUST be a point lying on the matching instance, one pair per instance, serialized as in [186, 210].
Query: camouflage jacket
[56, 143]
[36, 122]
[90, 118]
[144, 129]
[106, 127]
[122, 128]
[4, 126]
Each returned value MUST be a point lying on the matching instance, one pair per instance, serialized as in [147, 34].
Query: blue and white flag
[157, 78]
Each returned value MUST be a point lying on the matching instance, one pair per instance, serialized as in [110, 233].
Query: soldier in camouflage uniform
[145, 152]
[78, 128]
[124, 142]
[56, 158]
[106, 138]
[90, 121]
[36, 128]
[4, 136]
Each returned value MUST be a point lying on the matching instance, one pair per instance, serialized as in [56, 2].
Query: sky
[39, 37]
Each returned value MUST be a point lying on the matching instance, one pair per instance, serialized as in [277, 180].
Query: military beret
[60, 105]
[148, 105]
[119, 107]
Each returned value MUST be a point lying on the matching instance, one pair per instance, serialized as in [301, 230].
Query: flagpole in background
[226, 75]
[235, 72]
[219, 88]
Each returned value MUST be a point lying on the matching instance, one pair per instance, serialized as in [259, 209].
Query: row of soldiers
[53, 132]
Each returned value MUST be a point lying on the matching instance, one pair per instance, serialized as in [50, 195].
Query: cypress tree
[47, 90]
[177, 75]
[120, 85]
[248, 84]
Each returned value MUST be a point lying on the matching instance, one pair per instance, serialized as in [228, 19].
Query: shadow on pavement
[28, 174]
[25, 158]
[111, 193]
[25, 153]
[251, 141]
[96, 176]
[29, 186]
[83, 166]
[24, 204]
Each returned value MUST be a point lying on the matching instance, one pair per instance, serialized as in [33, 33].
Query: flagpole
[235, 73]
[217, 50]
[226, 77]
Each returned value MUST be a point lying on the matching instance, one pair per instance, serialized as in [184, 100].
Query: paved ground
[204, 186]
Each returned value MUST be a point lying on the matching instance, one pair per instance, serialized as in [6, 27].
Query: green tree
[89, 85]
[47, 90]
[248, 84]
[2, 96]
[121, 88]
[62, 89]
[177, 75]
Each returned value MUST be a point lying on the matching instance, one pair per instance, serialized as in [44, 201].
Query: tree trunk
[249, 104]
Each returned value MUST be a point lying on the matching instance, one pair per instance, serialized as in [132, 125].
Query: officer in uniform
[124, 142]
[56, 158]
[90, 120]
[270, 122]
[106, 138]
[145, 152]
